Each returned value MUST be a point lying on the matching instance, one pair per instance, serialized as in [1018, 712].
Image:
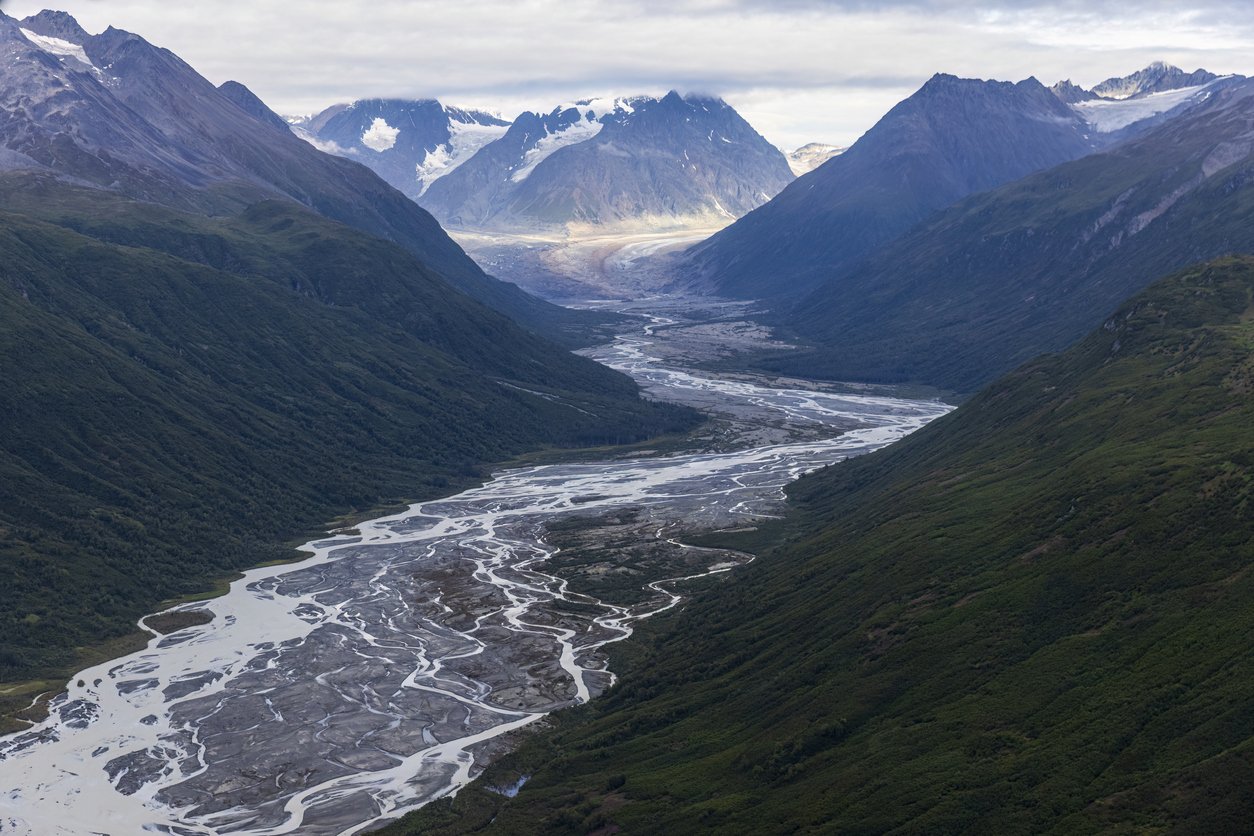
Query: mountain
[951, 138]
[810, 156]
[1031, 616]
[410, 144]
[114, 111]
[1156, 78]
[1003, 276]
[614, 164]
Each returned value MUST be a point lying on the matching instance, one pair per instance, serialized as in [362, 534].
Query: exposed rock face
[410, 144]
[621, 163]
[253, 106]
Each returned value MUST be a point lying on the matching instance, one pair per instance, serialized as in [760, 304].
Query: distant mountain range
[636, 162]
[410, 144]
[1158, 77]
[953, 138]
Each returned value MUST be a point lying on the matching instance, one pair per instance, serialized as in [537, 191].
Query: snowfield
[1108, 115]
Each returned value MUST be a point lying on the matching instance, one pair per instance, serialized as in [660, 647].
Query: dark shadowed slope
[951, 138]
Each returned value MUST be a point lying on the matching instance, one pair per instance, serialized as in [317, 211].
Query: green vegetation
[184, 396]
[1032, 616]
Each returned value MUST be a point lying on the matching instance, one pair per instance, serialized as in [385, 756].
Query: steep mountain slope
[1031, 616]
[951, 138]
[114, 111]
[184, 395]
[639, 162]
[410, 144]
[1027, 268]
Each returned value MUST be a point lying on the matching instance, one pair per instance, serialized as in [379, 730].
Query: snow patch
[574, 133]
[593, 114]
[58, 47]
[602, 106]
[380, 136]
[466, 138]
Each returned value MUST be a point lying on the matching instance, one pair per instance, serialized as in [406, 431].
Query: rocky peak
[1069, 93]
[56, 25]
[1158, 77]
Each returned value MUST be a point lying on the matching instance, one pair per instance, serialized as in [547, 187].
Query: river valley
[380, 673]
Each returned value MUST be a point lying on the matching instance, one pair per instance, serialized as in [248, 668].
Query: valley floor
[388, 668]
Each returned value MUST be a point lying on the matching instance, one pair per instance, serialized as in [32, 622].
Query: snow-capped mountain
[1158, 77]
[411, 144]
[111, 111]
[1111, 115]
[1140, 100]
[810, 156]
[638, 162]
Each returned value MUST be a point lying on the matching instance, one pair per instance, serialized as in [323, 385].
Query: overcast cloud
[799, 70]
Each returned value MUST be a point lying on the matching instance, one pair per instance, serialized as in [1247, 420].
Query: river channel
[333, 694]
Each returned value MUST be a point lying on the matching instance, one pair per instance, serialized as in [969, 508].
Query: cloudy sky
[799, 70]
